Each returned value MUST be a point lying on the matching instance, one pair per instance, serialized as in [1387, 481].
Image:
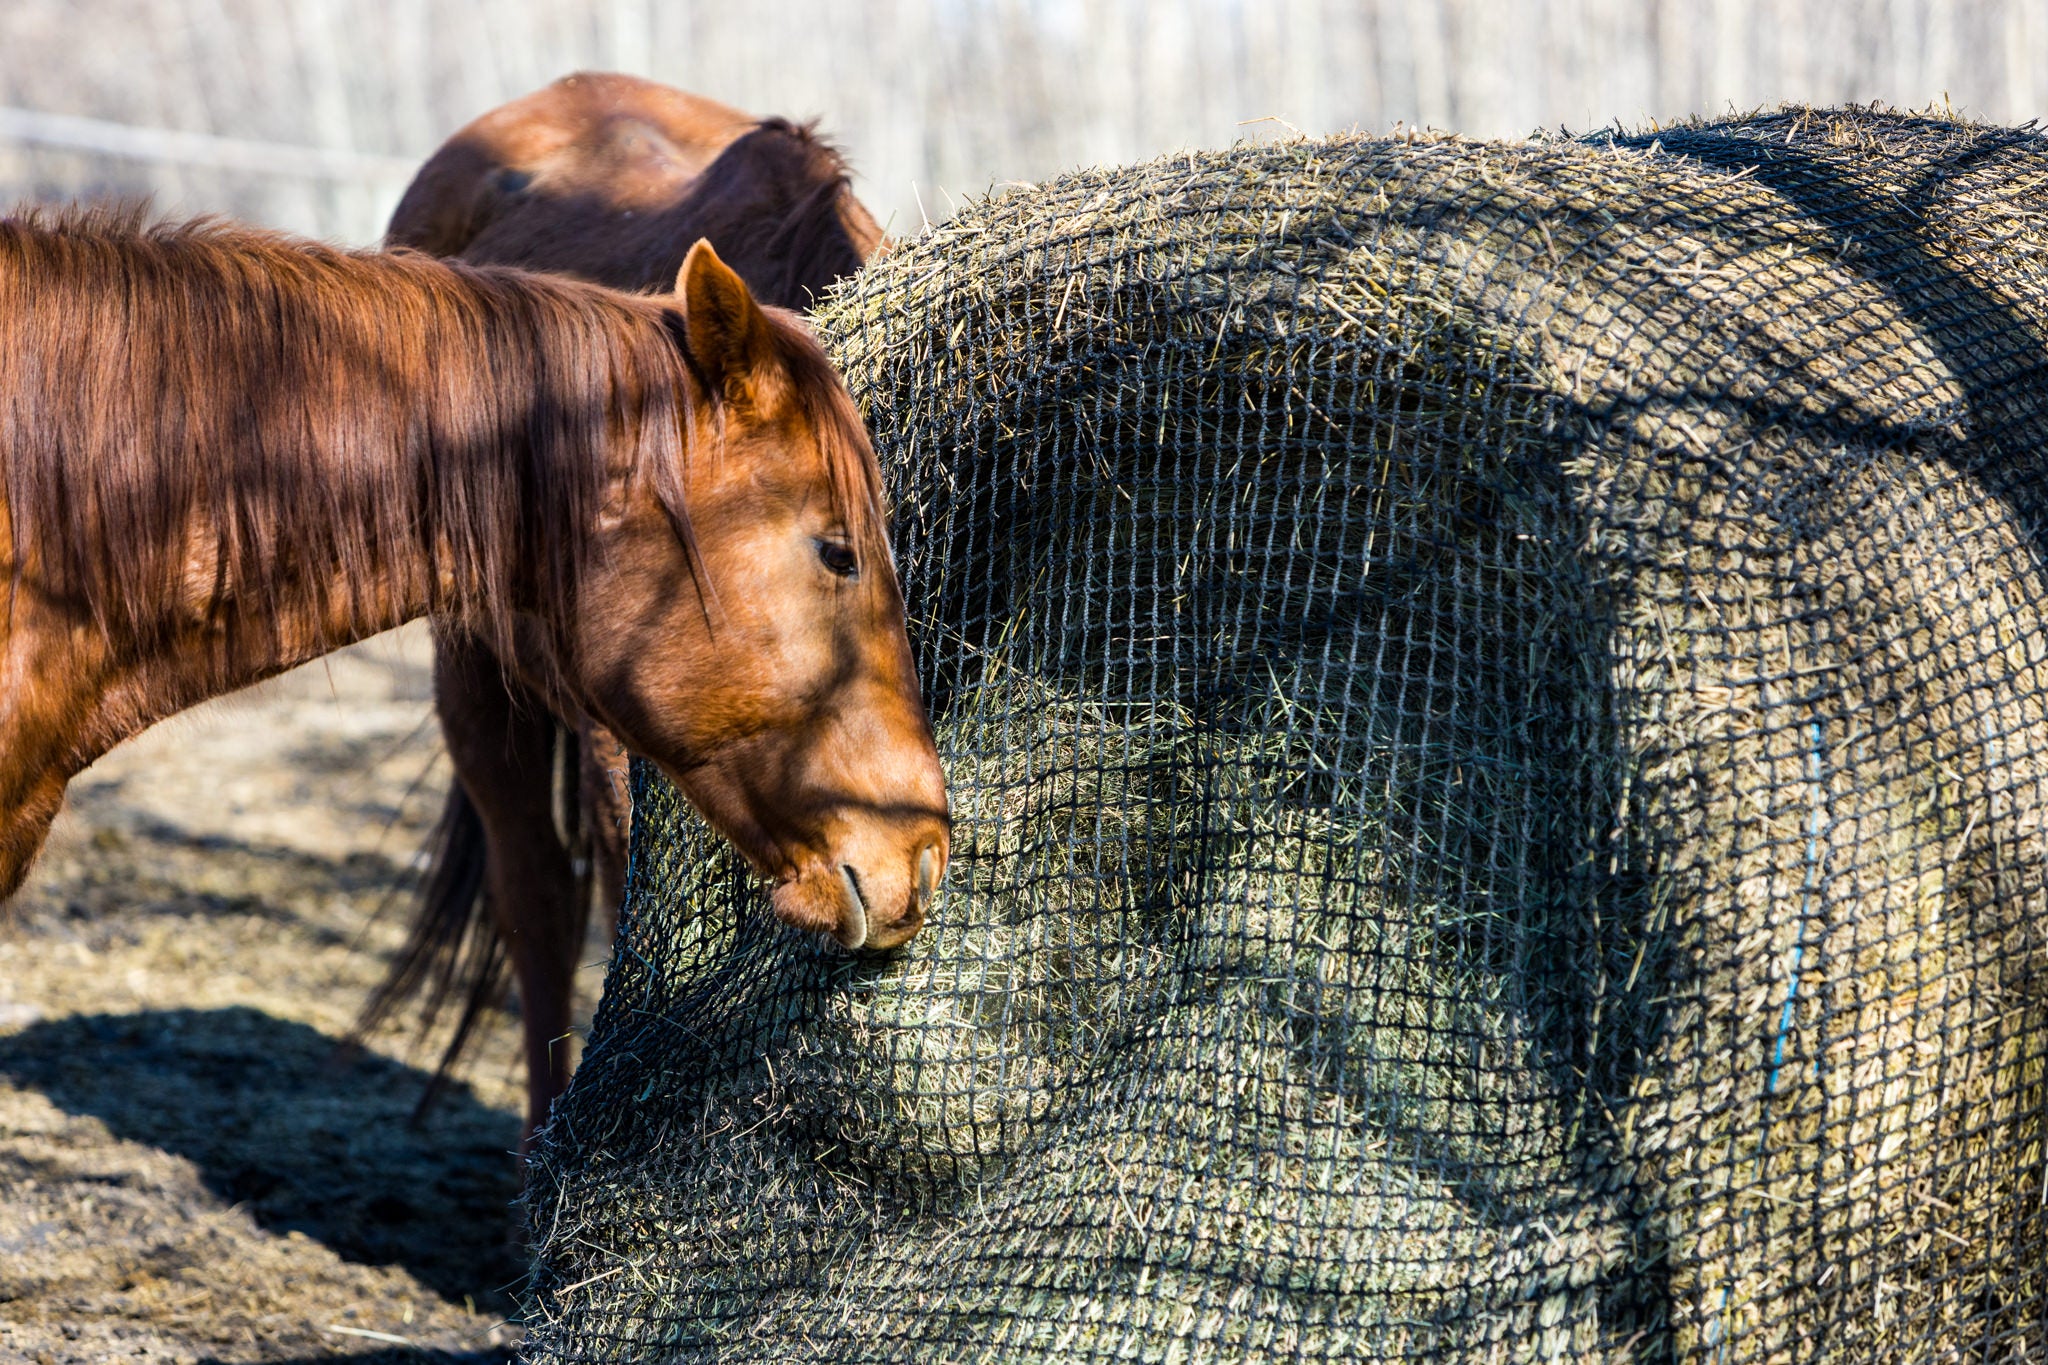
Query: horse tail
[452, 950]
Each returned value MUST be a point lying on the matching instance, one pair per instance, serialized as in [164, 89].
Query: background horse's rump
[1494, 702]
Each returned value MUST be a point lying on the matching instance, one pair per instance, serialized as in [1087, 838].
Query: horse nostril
[927, 873]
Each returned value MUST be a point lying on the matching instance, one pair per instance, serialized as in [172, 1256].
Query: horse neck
[429, 470]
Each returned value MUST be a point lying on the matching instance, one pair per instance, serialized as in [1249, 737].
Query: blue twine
[1805, 902]
[1813, 829]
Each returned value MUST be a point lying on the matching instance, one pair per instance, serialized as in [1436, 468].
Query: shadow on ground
[308, 1143]
[397, 1355]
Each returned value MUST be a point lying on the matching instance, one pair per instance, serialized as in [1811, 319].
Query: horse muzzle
[866, 902]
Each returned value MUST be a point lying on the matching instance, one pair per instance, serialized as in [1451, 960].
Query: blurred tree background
[309, 114]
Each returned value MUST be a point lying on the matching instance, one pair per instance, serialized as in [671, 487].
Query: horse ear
[724, 334]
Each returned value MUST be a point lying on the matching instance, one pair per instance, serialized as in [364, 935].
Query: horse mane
[194, 414]
[777, 203]
[198, 413]
[822, 232]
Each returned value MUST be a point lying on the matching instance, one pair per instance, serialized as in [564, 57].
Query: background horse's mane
[204, 414]
[821, 237]
[777, 202]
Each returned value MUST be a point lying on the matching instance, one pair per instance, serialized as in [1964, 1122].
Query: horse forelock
[848, 458]
[212, 414]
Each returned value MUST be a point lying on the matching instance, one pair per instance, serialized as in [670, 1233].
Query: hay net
[1494, 698]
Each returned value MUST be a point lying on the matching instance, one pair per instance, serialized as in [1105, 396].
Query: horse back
[615, 139]
[614, 179]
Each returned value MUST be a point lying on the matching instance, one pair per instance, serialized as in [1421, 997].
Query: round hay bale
[1494, 700]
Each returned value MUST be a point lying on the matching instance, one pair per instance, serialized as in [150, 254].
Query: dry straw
[1494, 698]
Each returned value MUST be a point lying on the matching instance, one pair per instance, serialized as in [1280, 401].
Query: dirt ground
[188, 1173]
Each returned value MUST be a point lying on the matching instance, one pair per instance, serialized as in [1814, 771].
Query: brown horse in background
[608, 178]
[224, 453]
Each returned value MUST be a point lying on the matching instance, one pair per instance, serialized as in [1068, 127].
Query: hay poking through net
[1494, 698]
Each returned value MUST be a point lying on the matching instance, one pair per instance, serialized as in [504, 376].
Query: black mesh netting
[1494, 702]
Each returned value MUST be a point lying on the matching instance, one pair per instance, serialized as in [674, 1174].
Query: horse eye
[838, 558]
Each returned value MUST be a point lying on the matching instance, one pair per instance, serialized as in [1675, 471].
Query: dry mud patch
[188, 1172]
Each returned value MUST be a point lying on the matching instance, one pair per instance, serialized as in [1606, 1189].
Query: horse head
[767, 671]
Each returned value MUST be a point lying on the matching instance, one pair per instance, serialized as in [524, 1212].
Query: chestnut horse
[608, 178]
[224, 452]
